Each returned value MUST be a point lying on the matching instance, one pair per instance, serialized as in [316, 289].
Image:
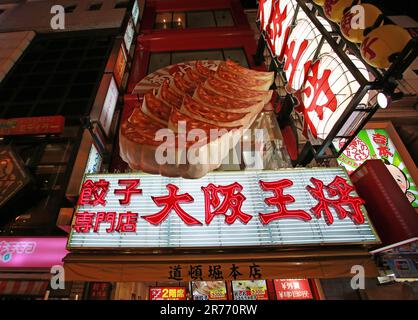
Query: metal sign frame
[385, 80]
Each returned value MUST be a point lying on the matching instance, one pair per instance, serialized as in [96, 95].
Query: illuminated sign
[94, 161]
[34, 252]
[250, 290]
[99, 291]
[167, 293]
[223, 209]
[292, 289]
[32, 126]
[13, 175]
[377, 144]
[326, 93]
[209, 290]
[279, 25]
[318, 79]
[135, 12]
[120, 65]
[129, 34]
[109, 106]
[299, 51]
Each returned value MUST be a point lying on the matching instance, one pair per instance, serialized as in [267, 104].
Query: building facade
[104, 68]
[54, 82]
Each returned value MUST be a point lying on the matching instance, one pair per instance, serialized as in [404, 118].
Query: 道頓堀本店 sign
[222, 209]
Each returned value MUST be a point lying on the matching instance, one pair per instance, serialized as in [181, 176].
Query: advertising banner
[167, 293]
[377, 144]
[209, 290]
[250, 290]
[292, 289]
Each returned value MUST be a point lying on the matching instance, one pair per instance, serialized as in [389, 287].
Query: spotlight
[383, 100]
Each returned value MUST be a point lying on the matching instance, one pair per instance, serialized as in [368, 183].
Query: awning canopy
[28, 288]
[303, 263]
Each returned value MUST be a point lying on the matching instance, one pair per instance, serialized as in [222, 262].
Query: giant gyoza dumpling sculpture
[195, 102]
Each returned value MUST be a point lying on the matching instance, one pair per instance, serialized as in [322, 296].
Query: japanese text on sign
[219, 210]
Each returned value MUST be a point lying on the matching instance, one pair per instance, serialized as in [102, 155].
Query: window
[57, 74]
[163, 20]
[49, 161]
[122, 4]
[95, 6]
[70, 9]
[200, 19]
[193, 19]
[223, 18]
[160, 60]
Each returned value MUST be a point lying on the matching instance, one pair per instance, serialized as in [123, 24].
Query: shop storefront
[25, 267]
[253, 229]
[127, 239]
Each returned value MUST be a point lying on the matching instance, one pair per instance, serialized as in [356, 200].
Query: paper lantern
[264, 12]
[327, 92]
[319, 2]
[334, 9]
[357, 19]
[300, 50]
[381, 43]
[278, 29]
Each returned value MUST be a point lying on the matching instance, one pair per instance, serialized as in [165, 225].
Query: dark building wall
[59, 74]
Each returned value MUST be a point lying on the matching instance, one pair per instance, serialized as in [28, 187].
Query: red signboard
[93, 193]
[120, 65]
[99, 291]
[167, 293]
[32, 126]
[292, 289]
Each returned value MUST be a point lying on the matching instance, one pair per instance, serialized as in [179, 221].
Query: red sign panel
[32, 126]
[100, 291]
[120, 65]
[93, 193]
[167, 293]
[292, 289]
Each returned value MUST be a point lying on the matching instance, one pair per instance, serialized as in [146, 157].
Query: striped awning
[28, 288]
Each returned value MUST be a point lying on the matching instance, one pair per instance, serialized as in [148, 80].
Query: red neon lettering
[280, 200]
[93, 193]
[340, 190]
[83, 222]
[130, 189]
[127, 222]
[105, 217]
[172, 202]
[232, 200]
